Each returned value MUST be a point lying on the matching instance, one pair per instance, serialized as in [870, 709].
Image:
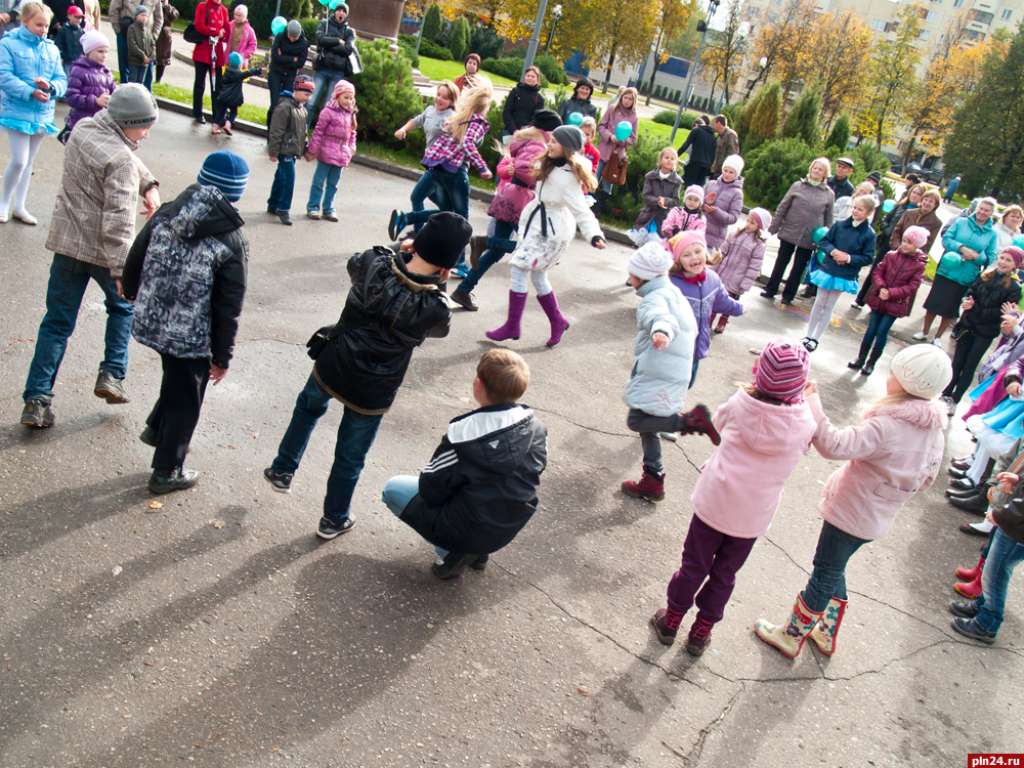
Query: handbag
[354, 61]
[192, 34]
[614, 171]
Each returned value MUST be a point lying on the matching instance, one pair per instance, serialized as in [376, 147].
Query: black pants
[176, 413]
[862, 295]
[160, 72]
[803, 255]
[694, 173]
[202, 73]
[222, 113]
[277, 82]
[970, 348]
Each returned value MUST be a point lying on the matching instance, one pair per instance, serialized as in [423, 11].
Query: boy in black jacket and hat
[395, 302]
[480, 487]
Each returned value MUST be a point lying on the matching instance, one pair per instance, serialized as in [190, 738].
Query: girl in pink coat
[765, 428]
[742, 254]
[333, 145]
[688, 217]
[895, 452]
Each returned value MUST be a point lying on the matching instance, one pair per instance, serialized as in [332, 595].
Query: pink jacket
[246, 45]
[740, 486]
[334, 140]
[893, 453]
[679, 220]
[519, 176]
[742, 255]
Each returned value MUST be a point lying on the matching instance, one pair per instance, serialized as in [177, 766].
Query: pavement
[211, 628]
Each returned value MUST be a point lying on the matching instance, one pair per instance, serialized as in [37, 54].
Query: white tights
[821, 313]
[19, 169]
[539, 278]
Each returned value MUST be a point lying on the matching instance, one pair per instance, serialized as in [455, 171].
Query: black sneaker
[279, 481]
[395, 224]
[164, 481]
[452, 566]
[149, 436]
[969, 628]
[110, 388]
[965, 609]
[464, 300]
[480, 564]
[37, 414]
[328, 530]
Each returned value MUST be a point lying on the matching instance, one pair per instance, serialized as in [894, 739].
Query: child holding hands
[333, 146]
[742, 254]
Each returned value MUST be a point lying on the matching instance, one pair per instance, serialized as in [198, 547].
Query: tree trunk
[608, 70]
[910, 148]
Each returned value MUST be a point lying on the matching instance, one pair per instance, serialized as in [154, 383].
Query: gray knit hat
[132, 106]
[294, 29]
[570, 137]
[140, 8]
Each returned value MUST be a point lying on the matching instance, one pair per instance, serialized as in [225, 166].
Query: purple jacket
[707, 297]
[742, 255]
[728, 202]
[334, 138]
[87, 81]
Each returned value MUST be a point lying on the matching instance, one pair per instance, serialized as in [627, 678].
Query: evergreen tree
[433, 25]
[764, 118]
[839, 136]
[458, 38]
[802, 120]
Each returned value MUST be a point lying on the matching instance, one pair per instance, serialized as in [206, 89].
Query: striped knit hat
[227, 172]
[781, 370]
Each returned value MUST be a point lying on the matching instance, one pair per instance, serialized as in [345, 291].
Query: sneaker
[314, 215]
[464, 300]
[330, 216]
[920, 336]
[452, 566]
[110, 388]
[810, 344]
[460, 271]
[164, 481]
[969, 628]
[328, 530]
[37, 414]
[279, 481]
[965, 609]
[395, 223]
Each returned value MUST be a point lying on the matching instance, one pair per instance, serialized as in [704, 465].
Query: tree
[781, 42]
[625, 32]
[802, 120]
[762, 117]
[839, 137]
[458, 38]
[772, 168]
[674, 18]
[723, 52]
[835, 61]
[433, 25]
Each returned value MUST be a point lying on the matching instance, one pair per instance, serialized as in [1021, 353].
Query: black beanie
[442, 239]
[546, 120]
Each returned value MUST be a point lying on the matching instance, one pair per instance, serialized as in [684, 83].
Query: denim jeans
[68, 281]
[277, 82]
[398, 492]
[453, 189]
[649, 426]
[122, 54]
[828, 579]
[323, 87]
[1004, 554]
[140, 75]
[425, 188]
[324, 187]
[497, 246]
[355, 437]
[284, 185]
[878, 331]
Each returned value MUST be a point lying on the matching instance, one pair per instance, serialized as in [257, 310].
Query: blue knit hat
[227, 172]
[234, 60]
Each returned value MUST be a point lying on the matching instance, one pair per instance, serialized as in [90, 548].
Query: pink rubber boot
[559, 325]
[511, 328]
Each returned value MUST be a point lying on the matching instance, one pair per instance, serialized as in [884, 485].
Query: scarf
[697, 279]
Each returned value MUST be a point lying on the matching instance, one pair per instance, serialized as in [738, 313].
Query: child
[848, 246]
[286, 142]
[396, 301]
[563, 176]
[723, 201]
[660, 195]
[230, 96]
[69, 38]
[742, 254]
[480, 488]
[589, 128]
[333, 145]
[686, 218]
[894, 453]
[765, 428]
[663, 350]
[186, 274]
[844, 205]
[703, 289]
[90, 83]
[141, 46]
[893, 285]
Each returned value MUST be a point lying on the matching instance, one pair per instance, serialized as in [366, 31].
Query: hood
[203, 212]
[527, 135]
[771, 429]
[980, 228]
[582, 83]
[29, 39]
[736, 183]
[513, 423]
[85, 61]
[923, 414]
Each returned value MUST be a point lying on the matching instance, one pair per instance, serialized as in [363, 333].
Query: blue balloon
[1019, 241]
[623, 130]
[575, 118]
[278, 25]
[888, 205]
[819, 234]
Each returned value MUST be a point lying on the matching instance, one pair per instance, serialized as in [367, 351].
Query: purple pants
[710, 562]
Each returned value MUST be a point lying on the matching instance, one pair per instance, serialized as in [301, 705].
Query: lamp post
[531, 49]
[702, 26]
[761, 64]
[556, 16]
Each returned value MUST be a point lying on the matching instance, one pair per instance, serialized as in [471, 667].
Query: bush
[432, 50]
[309, 30]
[732, 113]
[387, 97]
[839, 136]
[484, 41]
[408, 46]
[433, 25]
[626, 201]
[458, 38]
[802, 120]
[668, 117]
[761, 117]
[773, 167]
[298, 9]
[551, 69]
[508, 66]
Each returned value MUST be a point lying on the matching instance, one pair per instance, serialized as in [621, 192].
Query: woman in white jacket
[547, 226]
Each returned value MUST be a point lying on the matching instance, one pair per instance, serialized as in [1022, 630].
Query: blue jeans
[324, 186]
[122, 53]
[398, 492]
[828, 579]
[323, 86]
[497, 246]
[284, 185]
[425, 188]
[68, 281]
[1004, 554]
[878, 331]
[355, 437]
[142, 75]
[451, 194]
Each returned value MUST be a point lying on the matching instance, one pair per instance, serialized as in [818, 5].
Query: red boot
[650, 488]
[969, 589]
[697, 421]
[970, 574]
[699, 638]
[511, 328]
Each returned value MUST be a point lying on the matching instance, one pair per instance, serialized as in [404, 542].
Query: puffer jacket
[287, 137]
[804, 208]
[742, 254]
[680, 219]
[522, 103]
[389, 311]
[186, 272]
[856, 240]
[288, 56]
[334, 44]
[246, 46]
[967, 232]
[87, 82]
[513, 195]
[606, 131]
[69, 41]
[334, 138]
[232, 93]
[707, 298]
[655, 187]
[23, 58]
[728, 201]
[480, 487]
[917, 218]
[901, 275]
[985, 317]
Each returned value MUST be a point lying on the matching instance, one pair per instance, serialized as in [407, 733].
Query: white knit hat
[735, 162]
[923, 370]
[651, 260]
[763, 216]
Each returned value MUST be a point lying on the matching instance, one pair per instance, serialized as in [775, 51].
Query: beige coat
[119, 8]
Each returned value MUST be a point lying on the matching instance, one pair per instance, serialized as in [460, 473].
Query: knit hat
[234, 60]
[92, 40]
[227, 172]
[442, 239]
[342, 6]
[696, 190]
[683, 240]
[74, 10]
[1016, 254]
[546, 120]
[923, 370]
[917, 235]
[294, 29]
[570, 137]
[781, 370]
[343, 86]
[140, 8]
[302, 84]
[764, 219]
[735, 162]
[651, 260]
[132, 106]
[875, 176]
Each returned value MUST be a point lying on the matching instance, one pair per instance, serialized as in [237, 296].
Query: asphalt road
[216, 631]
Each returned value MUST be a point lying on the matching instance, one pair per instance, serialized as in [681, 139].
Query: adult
[522, 103]
[93, 14]
[951, 188]
[723, 201]
[165, 40]
[1008, 226]
[31, 81]
[121, 14]
[210, 56]
[579, 101]
[241, 36]
[875, 180]
[840, 183]
[806, 206]
[728, 143]
[93, 226]
[909, 202]
[970, 246]
[468, 78]
[622, 108]
[335, 44]
[288, 55]
[701, 145]
[923, 216]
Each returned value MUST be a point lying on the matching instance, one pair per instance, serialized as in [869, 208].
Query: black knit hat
[442, 239]
[546, 120]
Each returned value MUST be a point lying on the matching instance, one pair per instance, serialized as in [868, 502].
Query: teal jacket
[967, 231]
[23, 58]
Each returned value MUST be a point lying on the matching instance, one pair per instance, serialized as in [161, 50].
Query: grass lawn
[661, 131]
[438, 69]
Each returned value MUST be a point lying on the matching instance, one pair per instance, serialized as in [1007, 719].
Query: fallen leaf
[156, 505]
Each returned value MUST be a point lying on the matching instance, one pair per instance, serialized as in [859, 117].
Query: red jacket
[902, 276]
[212, 21]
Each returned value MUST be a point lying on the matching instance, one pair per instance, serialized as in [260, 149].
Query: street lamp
[531, 49]
[556, 15]
[702, 27]
[761, 64]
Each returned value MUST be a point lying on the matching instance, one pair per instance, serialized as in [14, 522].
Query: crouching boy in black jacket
[395, 302]
[480, 487]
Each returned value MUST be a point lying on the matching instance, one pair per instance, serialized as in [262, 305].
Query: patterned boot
[827, 629]
[511, 328]
[559, 325]
[789, 640]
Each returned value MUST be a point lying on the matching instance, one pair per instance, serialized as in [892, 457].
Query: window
[878, 25]
[980, 17]
[1007, 13]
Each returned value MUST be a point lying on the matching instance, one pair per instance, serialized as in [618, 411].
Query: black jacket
[575, 104]
[701, 142]
[286, 56]
[522, 102]
[69, 42]
[1010, 517]
[984, 318]
[480, 487]
[231, 93]
[388, 313]
[334, 44]
[840, 188]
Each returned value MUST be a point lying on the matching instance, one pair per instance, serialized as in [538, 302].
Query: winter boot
[827, 629]
[697, 421]
[559, 325]
[663, 628]
[869, 367]
[862, 355]
[511, 328]
[789, 640]
[650, 488]
[699, 638]
[723, 320]
[971, 589]
[970, 574]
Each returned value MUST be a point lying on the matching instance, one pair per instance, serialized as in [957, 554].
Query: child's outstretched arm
[862, 441]
[726, 305]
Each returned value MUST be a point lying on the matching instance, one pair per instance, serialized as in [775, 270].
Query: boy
[230, 96]
[186, 273]
[480, 488]
[395, 302]
[69, 38]
[287, 141]
[141, 46]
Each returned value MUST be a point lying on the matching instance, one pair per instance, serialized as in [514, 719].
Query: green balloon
[819, 234]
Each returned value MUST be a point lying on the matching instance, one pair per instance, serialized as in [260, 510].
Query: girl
[333, 145]
[742, 254]
[548, 224]
[689, 217]
[848, 246]
[723, 201]
[241, 36]
[894, 453]
[623, 108]
[910, 202]
[31, 81]
[589, 128]
[893, 286]
[90, 83]
[765, 428]
[231, 95]
[661, 194]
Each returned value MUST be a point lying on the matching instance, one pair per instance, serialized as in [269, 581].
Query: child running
[333, 146]
[90, 83]
[742, 254]
[660, 195]
[689, 217]
[286, 142]
[231, 96]
[765, 428]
